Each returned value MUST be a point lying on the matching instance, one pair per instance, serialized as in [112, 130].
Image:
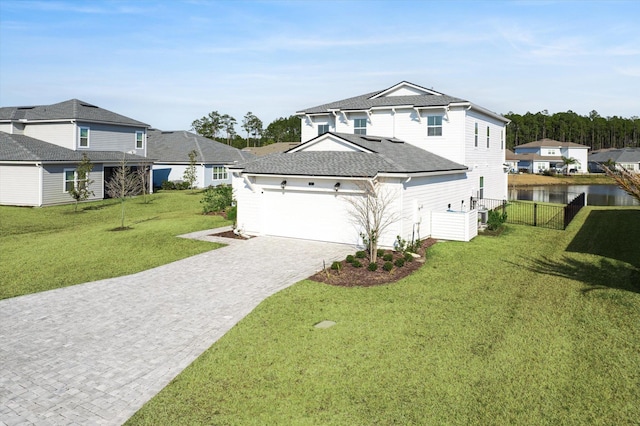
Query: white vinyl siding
[20, 185]
[61, 134]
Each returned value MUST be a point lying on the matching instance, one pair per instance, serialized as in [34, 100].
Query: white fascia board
[307, 176]
[482, 110]
[377, 108]
[423, 174]
[405, 83]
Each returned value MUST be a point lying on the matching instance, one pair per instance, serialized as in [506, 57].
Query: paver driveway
[95, 353]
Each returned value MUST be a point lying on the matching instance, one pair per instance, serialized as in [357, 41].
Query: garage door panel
[318, 216]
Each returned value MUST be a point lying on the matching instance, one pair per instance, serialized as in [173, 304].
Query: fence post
[504, 207]
[535, 214]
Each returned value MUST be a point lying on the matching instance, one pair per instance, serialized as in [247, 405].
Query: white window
[476, 137]
[360, 126]
[69, 179]
[488, 134]
[139, 140]
[481, 192]
[83, 137]
[322, 129]
[434, 125]
[219, 173]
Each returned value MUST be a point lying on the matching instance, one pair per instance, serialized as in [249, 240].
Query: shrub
[373, 266]
[217, 199]
[408, 257]
[399, 262]
[380, 252]
[400, 244]
[356, 264]
[232, 213]
[496, 219]
[415, 246]
[167, 185]
[388, 257]
[336, 266]
[388, 266]
[350, 258]
[361, 254]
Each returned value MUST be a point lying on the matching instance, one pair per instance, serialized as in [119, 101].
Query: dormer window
[360, 126]
[139, 140]
[434, 125]
[83, 137]
[322, 129]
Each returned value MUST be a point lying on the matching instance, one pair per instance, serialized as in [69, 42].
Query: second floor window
[322, 129]
[434, 125]
[476, 137]
[219, 173]
[360, 126]
[83, 140]
[139, 140]
[488, 136]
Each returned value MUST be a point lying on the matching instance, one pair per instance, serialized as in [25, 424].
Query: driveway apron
[95, 353]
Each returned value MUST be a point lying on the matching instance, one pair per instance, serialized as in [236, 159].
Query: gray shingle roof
[73, 109]
[387, 155]
[175, 146]
[25, 148]
[364, 102]
[619, 155]
[546, 142]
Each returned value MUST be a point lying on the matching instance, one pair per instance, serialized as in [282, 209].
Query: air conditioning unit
[483, 216]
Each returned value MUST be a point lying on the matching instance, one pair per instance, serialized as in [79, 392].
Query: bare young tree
[626, 180]
[191, 174]
[144, 174]
[124, 183]
[80, 190]
[373, 212]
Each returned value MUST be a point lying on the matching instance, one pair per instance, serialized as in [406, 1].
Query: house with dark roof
[436, 155]
[170, 151]
[41, 146]
[629, 158]
[547, 154]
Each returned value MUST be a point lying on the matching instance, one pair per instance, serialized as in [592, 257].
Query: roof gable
[550, 143]
[329, 142]
[405, 88]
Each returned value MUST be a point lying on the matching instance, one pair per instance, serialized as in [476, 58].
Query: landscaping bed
[345, 274]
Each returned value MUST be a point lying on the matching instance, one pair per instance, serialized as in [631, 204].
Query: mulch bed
[229, 234]
[350, 276]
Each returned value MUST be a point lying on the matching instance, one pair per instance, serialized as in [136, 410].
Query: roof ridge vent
[88, 106]
[372, 139]
[395, 140]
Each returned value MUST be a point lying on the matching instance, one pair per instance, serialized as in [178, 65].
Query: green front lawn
[52, 247]
[535, 326]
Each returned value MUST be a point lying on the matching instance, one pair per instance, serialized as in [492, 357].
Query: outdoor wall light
[283, 184]
[336, 186]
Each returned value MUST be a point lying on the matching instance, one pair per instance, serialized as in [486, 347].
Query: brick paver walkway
[94, 353]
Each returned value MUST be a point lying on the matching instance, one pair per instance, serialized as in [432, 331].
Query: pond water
[597, 195]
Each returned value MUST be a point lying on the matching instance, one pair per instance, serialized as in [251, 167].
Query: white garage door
[321, 216]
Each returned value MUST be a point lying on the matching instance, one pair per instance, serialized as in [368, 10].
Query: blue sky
[169, 62]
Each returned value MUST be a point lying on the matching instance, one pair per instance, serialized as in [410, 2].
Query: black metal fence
[552, 216]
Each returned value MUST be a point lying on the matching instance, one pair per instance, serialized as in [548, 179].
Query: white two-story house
[437, 154]
[547, 154]
[41, 146]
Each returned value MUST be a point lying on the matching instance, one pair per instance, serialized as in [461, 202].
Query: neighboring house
[546, 154]
[41, 146]
[511, 161]
[273, 148]
[437, 154]
[171, 149]
[629, 158]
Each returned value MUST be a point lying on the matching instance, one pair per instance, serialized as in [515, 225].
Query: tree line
[592, 130]
[221, 127]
